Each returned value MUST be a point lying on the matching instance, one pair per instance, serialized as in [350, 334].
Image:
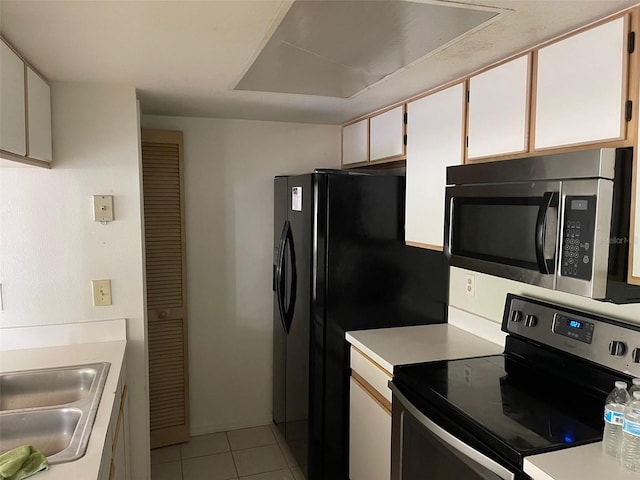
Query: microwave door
[508, 230]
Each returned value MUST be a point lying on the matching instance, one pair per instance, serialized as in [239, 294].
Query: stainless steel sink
[44, 388]
[52, 409]
[49, 430]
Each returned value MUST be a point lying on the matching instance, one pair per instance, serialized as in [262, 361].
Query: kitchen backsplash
[489, 293]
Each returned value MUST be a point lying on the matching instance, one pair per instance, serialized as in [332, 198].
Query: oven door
[420, 449]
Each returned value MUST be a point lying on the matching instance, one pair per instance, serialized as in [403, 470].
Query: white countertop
[389, 347]
[585, 463]
[88, 466]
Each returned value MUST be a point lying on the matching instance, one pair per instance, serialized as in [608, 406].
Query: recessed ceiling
[185, 57]
[340, 48]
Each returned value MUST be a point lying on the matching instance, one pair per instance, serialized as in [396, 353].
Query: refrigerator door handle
[293, 282]
[279, 275]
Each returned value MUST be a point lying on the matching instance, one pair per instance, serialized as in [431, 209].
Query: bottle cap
[620, 384]
[636, 395]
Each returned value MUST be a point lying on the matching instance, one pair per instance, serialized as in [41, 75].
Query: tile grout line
[233, 457]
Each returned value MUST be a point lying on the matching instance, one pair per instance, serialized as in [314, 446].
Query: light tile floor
[250, 454]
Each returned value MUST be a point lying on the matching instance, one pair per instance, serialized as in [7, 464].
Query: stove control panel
[606, 341]
[570, 327]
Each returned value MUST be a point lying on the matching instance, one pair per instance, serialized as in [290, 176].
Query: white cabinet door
[434, 142]
[498, 110]
[118, 462]
[580, 88]
[387, 134]
[13, 136]
[39, 107]
[635, 271]
[369, 437]
[355, 142]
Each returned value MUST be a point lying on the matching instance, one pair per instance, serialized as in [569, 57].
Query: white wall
[490, 293]
[50, 247]
[229, 170]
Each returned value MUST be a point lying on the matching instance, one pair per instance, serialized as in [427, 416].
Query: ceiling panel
[339, 48]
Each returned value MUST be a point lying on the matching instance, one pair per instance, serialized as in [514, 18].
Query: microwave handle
[549, 200]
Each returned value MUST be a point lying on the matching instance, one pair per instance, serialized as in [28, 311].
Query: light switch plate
[103, 208]
[101, 292]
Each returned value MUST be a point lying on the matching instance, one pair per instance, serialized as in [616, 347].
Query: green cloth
[22, 462]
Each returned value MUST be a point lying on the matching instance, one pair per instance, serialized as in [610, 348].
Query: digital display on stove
[575, 323]
[573, 328]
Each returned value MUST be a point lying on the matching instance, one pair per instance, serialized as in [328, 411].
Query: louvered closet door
[166, 286]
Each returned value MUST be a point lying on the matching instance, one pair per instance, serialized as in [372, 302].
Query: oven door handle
[452, 442]
[549, 200]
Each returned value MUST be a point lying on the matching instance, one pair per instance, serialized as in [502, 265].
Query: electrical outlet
[101, 292]
[470, 285]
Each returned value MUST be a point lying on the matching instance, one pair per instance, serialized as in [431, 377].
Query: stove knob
[516, 316]
[617, 348]
[635, 355]
[530, 321]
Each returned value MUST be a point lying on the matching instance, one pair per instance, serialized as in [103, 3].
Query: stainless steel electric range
[478, 418]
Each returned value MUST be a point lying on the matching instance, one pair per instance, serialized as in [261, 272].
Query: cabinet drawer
[371, 372]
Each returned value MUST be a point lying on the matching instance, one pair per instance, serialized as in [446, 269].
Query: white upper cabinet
[580, 88]
[355, 142]
[498, 110]
[13, 136]
[434, 141]
[635, 270]
[39, 106]
[387, 134]
[25, 111]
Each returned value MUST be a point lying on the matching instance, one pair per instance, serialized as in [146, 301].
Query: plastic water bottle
[635, 387]
[630, 454]
[614, 419]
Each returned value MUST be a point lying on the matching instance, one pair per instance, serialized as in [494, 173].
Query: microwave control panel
[577, 236]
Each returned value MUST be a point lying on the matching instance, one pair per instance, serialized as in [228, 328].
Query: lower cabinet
[115, 457]
[118, 467]
[369, 421]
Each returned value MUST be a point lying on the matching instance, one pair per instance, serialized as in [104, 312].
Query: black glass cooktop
[501, 405]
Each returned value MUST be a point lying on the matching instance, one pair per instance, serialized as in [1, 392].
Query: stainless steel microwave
[556, 221]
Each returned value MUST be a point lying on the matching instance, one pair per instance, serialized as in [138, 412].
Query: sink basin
[52, 409]
[51, 431]
[43, 388]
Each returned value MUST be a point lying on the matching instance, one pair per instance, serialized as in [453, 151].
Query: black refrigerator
[339, 264]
